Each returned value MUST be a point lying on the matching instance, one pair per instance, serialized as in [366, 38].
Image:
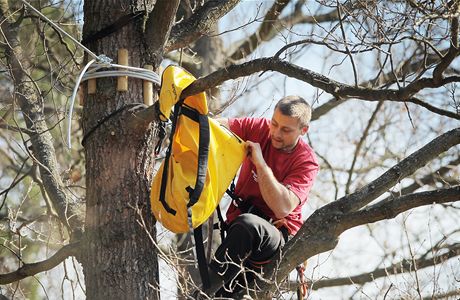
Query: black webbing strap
[222, 225]
[161, 136]
[201, 257]
[164, 175]
[115, 26]
[202, 167]
[194, 193]
[231, 191]
[203, 151]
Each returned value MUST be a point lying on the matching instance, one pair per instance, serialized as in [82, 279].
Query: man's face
[285, 131]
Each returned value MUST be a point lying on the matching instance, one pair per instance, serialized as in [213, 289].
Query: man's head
[290, 120]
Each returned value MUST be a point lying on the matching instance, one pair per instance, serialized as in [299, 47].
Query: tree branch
[30, 100]
[390, 209]
[446, 295]
[248, 45]
[31, 269]
[434, 109]
[428, 179]
[199, 24]
[265, 32]
[387, 79]
[338, 89]
[400, 267]
[399, 171]
[158, 27]
[454, 47]
[359, 145]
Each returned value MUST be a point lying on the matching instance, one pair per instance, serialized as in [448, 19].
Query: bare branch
[338, 89]
[401, 170]
[390, 209]
[396, 268]
[31, 269]
[199, 24]
[446, 295]
[345, 43]
[248, 45]
[434, 109]
[454, 46]
[266, 31]
[387, 79]
[14, 128]
[158, 27]
[358, 146]
[428, 179]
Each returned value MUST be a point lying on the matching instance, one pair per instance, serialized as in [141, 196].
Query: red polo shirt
[296, 170]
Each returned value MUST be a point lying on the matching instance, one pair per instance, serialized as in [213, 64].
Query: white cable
[140, 73]
[101, 74]
[72, 101]
[101, 61]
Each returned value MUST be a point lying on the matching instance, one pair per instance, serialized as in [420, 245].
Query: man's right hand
[254, 152]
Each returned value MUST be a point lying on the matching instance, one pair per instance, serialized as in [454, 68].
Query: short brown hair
[297, 107]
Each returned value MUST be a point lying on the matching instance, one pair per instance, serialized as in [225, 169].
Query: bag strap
[195, 193]
[203, 151]
[201, 257]
[164, 175]
[222, 226]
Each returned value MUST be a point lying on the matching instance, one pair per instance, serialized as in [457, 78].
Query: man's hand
[254, 152]
[280, 199]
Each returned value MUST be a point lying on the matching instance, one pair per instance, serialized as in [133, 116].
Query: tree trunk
[120, 260]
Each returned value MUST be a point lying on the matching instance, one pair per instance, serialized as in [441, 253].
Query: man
[273, 185]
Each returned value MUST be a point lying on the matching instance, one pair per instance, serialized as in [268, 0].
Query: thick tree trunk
[120, 261]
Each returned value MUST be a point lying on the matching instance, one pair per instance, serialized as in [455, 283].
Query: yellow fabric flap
[173, 81]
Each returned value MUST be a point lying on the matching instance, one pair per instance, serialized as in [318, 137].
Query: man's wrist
[263, 169]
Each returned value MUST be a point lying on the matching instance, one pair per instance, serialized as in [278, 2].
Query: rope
[92, 70]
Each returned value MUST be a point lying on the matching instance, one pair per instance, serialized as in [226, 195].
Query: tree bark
[119, 260]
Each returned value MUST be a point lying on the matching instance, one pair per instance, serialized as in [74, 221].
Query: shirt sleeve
[301, 177]
[245, 128]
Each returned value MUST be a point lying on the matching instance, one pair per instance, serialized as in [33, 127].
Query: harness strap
[231, 191]
[203, 151]
[222, 226]
[194, 193]
[164, 175]
[201, 257]
[118, 24]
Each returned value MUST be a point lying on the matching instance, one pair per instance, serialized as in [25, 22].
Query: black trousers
[251, 241]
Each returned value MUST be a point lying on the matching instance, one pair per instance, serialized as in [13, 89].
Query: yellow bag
[200, 163]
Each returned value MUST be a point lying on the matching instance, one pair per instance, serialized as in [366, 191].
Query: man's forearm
[280, 200]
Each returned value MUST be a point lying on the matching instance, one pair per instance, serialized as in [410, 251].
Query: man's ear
[304, 130]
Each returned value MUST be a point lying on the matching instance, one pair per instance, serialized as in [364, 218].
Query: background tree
[381, 76]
